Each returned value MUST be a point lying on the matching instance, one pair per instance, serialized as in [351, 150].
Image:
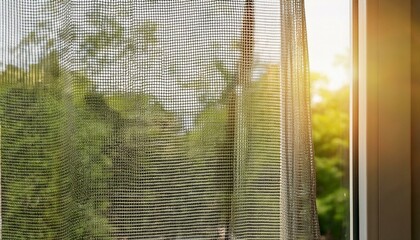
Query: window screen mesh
[155, 120]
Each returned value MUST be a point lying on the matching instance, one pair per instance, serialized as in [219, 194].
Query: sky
[328, 25]
[9, 36]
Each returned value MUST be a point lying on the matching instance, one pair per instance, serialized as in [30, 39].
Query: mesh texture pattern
[156, 120]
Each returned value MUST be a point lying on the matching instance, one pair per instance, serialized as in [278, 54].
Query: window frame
[354, 123]
[383, 120]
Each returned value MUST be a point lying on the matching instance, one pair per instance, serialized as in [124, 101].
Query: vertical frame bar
[415, 117]
[354, 124]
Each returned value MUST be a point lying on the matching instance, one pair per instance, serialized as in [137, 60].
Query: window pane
[328, 23]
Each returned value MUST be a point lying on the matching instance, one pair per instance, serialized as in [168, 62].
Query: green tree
[54, 169]
[257, 204]
[35, 188]
[147, 149]
[330, 121]
[93, 124]
[211, 171]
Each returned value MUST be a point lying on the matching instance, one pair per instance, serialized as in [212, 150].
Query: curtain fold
[297, 155]
[156, 120]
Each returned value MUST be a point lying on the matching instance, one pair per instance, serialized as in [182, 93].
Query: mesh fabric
[156, 120]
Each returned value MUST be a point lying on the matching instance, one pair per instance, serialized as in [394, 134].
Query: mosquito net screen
[155, 120]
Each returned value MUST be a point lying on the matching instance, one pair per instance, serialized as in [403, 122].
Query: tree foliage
[89, 150]
[35, 188]
[78, 163]
[330, 120]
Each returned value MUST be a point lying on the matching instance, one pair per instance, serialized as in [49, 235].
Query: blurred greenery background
[330, 126]
[109, 148]
[111, 140]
